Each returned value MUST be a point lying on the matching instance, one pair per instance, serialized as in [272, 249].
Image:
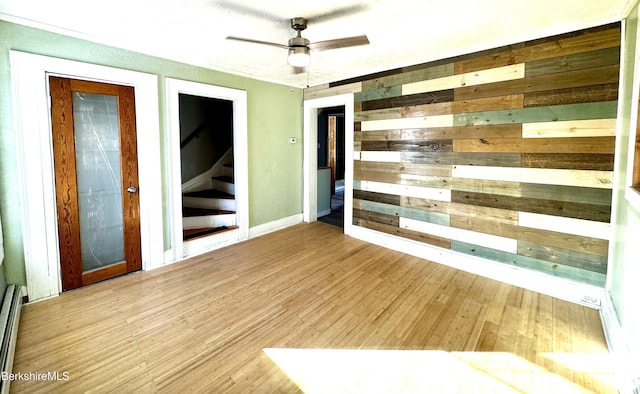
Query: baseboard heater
[9, 319]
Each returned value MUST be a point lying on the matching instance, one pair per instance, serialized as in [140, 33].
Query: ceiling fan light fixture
[299, 56]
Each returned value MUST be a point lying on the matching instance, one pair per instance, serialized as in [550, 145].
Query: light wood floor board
[308, 309]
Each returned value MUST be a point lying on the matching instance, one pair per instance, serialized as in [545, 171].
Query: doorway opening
[206, 163]
[209, 181]
[312, 108]
[331, 165]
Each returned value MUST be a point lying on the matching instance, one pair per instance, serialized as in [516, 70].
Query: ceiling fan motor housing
[298, 24]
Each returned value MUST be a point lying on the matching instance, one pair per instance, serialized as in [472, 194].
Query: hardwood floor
[309, 309]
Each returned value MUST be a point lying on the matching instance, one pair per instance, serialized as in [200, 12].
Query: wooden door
[96, 180]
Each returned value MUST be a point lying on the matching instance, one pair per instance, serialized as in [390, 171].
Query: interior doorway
[206, 164]
[312, 108]
[331, 165]
[209, 167]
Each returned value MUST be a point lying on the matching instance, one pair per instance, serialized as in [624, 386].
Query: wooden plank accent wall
[505, 154]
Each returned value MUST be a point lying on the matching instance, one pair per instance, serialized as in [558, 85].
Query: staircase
[210, 207]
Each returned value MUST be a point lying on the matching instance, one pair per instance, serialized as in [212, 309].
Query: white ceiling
[401, 32]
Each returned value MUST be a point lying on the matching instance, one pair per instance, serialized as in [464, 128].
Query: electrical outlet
[591, 300]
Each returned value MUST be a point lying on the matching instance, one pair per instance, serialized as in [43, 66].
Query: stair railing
[194, 134]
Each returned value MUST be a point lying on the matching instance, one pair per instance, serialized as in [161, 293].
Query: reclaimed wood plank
[404, 233]
[508, 101]
[544, 176]
[553, 47]
[432, 72]
[488, 159]
[583, 111]
[404, 112]
[494, 214]
[402, 212]
[484, 186]
[375, 94]
[580, 94]
[585, 261]
[570, 128]
[405, 168]
[587, 228]
[437, 158]
[573, 161]
[581, 244]
[455, 234]
[481, 225]
[404, 190]
[577, 61]
[440, 96]
[571, 209]
[541, 83]
[372, 216]
[437, 182]
[553, 238]
[555, 269]
[478, 77]
[417, 145]
[510, 131]
[595, 145]
[408, 123]
[567, 193]
[377, 197]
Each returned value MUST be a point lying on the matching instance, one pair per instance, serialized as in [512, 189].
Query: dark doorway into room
[331, 165]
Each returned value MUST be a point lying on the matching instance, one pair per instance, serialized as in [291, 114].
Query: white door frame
[310, 159]
[29, 75]
[240, 165]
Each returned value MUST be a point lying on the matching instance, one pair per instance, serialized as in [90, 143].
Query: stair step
[223, 183]
[210, 193]
[223, 178]
[201, 232]
[194, 212]
[227, 169]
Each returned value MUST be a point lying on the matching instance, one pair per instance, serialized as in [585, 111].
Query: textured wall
[275, 166]
[506, 154]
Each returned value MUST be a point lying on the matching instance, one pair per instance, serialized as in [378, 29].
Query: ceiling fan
[299, 47]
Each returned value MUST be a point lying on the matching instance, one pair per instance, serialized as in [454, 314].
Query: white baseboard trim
[626, 365]
[568, 290]
[275, 225]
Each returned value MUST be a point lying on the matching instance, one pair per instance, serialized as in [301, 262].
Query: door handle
[132, 189]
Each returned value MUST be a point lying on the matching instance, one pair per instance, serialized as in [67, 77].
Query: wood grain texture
[596, 145]
[224, 322]
[527, 132]
[505, 73]
[582, 94]
[65, 180]
[570, 129]
[577, 178]
[408, 123]
[570, 209]
[541, 83]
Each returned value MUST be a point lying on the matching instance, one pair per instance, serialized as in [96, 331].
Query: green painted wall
[274, 111]
[624, 268]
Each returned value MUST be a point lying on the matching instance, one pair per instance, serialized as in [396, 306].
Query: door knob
[132, 189]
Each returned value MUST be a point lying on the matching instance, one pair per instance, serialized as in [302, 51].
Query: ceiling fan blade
[250, 41]
[339, 43]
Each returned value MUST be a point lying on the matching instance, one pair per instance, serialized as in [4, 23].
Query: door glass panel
[97, 140]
